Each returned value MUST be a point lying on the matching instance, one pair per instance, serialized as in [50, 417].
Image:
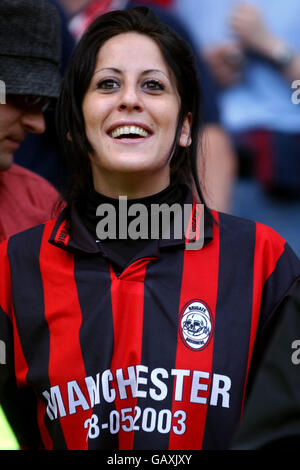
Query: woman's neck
[124, 250]
[134, 186]
[173, 193]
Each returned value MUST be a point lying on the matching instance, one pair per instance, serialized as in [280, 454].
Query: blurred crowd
[252, 49]
[249, 63]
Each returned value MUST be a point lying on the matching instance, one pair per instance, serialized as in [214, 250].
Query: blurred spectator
[29, 67]
[217, 160]
[72, 7]
[51, 165]
[254, 53]
[88, 12]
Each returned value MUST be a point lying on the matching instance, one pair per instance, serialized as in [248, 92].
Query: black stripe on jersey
[232, 324]
[18, 405]
[23, 252]
[93, 283]
[286, 272]
[6, 345]
[160, 328]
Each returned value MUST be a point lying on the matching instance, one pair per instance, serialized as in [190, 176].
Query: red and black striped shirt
[155, 357]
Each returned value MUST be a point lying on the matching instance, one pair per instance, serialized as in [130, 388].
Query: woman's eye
[153, 85]
[107, 84]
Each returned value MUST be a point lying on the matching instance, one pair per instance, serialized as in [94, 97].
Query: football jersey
[157, 356]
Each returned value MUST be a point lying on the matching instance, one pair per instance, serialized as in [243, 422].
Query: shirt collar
[70, 233]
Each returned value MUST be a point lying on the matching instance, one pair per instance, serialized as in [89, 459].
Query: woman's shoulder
[234, 226]
[244, 237]
[25, 242]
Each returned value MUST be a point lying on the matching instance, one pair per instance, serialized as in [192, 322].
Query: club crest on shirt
[196, 325]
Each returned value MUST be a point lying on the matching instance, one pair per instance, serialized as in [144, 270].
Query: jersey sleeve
[18, 404]
[272, 413]
[276, 275]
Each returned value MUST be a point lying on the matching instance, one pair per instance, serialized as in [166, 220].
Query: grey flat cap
[30, 48]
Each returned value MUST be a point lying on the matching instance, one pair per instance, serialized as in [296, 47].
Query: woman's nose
[130, 99]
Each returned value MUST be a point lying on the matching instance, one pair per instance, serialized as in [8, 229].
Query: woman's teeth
[129, 130]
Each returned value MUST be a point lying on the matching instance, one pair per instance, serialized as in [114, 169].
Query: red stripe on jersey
[21, 366]
[20, 363]
[202, 285]
[193, 229]
[62, 236]
[5, 284]
[127, 296]
[63, 315]
[266, 256]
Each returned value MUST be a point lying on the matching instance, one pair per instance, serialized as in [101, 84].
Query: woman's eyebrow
[118, 71]
[110, 69]
[149, 71]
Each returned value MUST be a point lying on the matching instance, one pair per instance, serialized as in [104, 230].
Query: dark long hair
[70, 122]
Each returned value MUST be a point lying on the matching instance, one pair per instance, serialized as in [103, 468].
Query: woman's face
[131, 110]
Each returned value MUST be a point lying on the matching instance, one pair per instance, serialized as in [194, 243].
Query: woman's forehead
[131, 49]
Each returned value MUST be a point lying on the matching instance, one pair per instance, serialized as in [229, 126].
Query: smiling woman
[131, 111]
[135, 342]
[126, 73]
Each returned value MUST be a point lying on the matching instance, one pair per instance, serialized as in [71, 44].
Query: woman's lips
[134, 131]
[129, 131]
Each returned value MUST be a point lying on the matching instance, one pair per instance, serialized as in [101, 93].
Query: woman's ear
[185, 139]
[69, 136]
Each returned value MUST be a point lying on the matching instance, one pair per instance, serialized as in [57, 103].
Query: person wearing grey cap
[30, 79]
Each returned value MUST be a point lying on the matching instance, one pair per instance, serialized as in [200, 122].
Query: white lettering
[159, 384]
[93, 389]
[109, 395]
[141, 380]
[129, 461]
[123, 383]
[196, 386]
[74, 389]
[92, 425]
[179, 374]
[223, 391]
[54, 399]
